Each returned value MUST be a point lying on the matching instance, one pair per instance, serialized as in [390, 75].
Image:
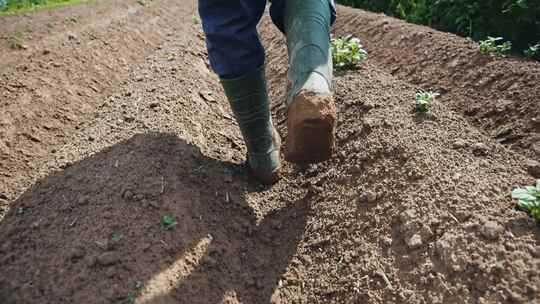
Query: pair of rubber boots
[311, 112]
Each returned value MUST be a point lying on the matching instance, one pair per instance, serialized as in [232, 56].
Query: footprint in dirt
[95, 232]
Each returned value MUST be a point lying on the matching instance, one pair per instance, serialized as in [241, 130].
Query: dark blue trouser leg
[230, 27]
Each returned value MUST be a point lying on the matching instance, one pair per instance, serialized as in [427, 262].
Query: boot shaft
[307, 25]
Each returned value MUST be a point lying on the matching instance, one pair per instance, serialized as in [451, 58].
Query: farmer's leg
[237, 56]
[277, 12]
[311, 110]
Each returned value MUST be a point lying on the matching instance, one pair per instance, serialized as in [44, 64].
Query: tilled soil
[410, 210]
[73, 59]
[497, 94]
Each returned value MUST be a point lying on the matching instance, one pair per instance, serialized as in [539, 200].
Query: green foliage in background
[24, 5]
[532, 51]
[516, 20]
[495, 45]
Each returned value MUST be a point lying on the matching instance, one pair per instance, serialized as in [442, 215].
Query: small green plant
[116, 236]
[347, 51]
[424, 101]
[17, 6]
[532, 51]
[493, 45]
[141, 2]
[195, 20]
[16, 40]
[168, 221]
[22, 211]
[132, 295]
[529, 199]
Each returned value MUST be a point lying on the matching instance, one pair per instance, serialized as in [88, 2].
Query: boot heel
[311, 127]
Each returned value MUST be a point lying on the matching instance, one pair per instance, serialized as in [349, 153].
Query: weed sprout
[347, 51]
[529, 199]
[424, 101]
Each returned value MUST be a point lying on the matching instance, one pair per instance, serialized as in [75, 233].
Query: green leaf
[522, 194]
[168, 221]
[116, 236]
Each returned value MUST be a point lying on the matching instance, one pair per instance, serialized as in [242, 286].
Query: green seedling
[424, 101]
[168, 221]
[195, 20]
[116, 236]
[132, 295]
[347, 51]
[492, 45]
[16, 40]
[22, 211]
[529, 199]
[532, 51]
[141, 2]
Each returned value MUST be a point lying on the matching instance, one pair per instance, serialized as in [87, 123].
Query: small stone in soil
[407, 215]
[459, 143]
[491, 230]
[153, 204]
[480, 149]
[76, 254]
[533, 167]
[83, 200]
[108, 259]
[414, 241]
[369, 197]
[129, 118]
[207, 95]
[127, 195]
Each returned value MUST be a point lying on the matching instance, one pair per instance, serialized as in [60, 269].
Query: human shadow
[148, 220]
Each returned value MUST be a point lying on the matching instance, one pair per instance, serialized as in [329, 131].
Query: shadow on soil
[94, 232]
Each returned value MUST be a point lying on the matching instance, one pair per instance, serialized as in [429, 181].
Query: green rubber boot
[311, 112]
[249, 101]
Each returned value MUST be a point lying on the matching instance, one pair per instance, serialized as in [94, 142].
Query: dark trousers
[230, 27]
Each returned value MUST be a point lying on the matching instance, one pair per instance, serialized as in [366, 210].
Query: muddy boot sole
[311, 121]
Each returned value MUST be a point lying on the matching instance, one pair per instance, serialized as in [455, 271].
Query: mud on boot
[248, 98]
[311, 112]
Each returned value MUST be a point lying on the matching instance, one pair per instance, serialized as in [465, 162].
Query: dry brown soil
[111, 120]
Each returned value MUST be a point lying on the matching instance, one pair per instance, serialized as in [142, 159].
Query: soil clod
[491, 230]
[108, 259]
[533, 167]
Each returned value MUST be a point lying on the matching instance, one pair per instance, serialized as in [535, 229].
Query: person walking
[237, 57]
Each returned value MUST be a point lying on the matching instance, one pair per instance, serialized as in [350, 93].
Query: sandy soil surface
[103, 137]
